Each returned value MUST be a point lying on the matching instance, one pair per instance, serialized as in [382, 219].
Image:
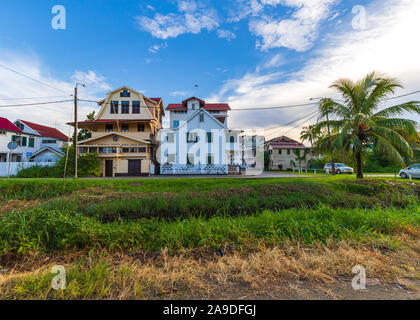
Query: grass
[53, 230]
[138, 238]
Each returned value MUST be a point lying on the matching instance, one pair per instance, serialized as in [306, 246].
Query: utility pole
[329, 134]
[332, 155]
[76, 129]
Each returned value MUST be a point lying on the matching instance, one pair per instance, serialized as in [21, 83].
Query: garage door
[134, 168]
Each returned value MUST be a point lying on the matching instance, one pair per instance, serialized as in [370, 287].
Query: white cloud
[155, 48]
[191, 18]
[15, 86]
[276, 61]
[178, 93]
[298, 32]
[226, 34]
[387, 46]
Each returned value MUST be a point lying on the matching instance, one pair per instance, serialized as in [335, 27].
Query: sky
[248, 53]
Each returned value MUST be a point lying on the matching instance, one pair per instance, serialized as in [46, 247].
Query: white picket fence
[16, 166]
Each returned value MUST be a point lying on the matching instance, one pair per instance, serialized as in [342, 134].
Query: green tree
[357, 123]
[84, 133]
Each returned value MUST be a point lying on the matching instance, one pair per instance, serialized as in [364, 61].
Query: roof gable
[195, 114]
[45, 131]
[5, 124]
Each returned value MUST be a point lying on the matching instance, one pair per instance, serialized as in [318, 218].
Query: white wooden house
[198, 141]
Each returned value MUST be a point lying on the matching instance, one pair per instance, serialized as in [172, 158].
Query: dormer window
[136, 107]
[125, 107]
[114, 107]
[125, 94]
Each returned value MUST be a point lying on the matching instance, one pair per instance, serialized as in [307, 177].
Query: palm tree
[309, 134]
[358, 124]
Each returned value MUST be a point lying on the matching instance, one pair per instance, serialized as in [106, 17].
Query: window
[210, 158]
[201, 117]
[171, 158]
[192, 137]
[170, 138]
[279, 151]
[232, 139]
[288, 151]
[114, 107]
[209, 137]
[24, 141]
[142, 150]
[190, 158]
[47, 141]
[125, 107]
[136, 106]
[31, 142]
[193, 106]
[20, 125]
[124, 128]
[109, 127]
[176, 123]
[270, 152]
[2, 132]
[93, 150]
[125, 94]
[140, 127]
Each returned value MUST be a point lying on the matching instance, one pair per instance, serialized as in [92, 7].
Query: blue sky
[249, 53]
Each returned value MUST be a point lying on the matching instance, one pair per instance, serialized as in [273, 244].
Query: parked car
[413, 171]
[339, 168]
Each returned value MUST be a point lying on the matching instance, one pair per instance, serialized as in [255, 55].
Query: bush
[88, 165]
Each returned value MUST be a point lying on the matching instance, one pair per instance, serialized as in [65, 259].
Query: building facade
[286, 154]
[124, 133]
[47, 143]
[198, 140]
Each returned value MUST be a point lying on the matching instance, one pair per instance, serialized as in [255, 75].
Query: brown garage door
[134, 168]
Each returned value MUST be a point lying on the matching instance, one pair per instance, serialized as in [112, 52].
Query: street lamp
[76, 129]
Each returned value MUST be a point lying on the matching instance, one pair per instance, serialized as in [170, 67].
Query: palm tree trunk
[359, 168]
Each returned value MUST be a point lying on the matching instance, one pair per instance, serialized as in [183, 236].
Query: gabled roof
[45, 131]
[195, 114]
[5, 124]
[203, 104]
[60, 153]
[284, 142]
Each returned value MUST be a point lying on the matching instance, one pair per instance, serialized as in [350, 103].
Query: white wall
[5, 139]
[200, 149]
[16, 166]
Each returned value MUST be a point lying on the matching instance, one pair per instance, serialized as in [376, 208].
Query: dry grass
[278, 272]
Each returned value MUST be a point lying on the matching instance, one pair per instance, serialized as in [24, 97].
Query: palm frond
[384, 147]
[398, 110]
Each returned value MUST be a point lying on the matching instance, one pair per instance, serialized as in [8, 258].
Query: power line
[28, 77]
[33, 104]
[404, 95]
[50, 97]
[282, 107]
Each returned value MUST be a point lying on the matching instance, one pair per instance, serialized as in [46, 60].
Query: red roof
[286, 143]
[45, 131]
[207, 106]
[8, 126]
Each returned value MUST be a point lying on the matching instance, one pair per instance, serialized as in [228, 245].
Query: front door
[134, 168]
[109, 167]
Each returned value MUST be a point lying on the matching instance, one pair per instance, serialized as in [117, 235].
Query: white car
[339, 168]
[413, 171]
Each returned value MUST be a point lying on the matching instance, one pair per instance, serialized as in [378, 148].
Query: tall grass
[55, 230]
